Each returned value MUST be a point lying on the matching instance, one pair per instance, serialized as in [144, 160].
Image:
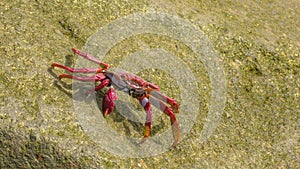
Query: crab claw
[108, 101]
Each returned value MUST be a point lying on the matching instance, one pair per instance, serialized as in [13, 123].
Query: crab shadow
[80, 95]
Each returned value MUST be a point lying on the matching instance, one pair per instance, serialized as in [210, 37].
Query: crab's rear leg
[76, 70]
[168, 111]
[91, 58]
[94, 78]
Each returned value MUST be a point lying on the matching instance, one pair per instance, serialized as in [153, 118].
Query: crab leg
[139, 81]
[77, 70]
[91, 58]
[84, 79]
[166, 99]
[168, 111]
[148, 125]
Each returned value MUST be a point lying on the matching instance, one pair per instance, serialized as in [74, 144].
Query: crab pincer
[108, 101]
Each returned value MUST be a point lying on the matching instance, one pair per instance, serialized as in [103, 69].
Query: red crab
[129, 83]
